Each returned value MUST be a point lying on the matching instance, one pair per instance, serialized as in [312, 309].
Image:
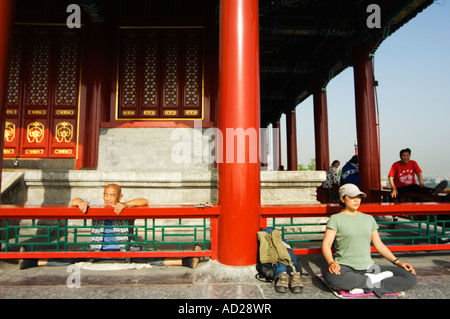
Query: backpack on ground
[273, 251]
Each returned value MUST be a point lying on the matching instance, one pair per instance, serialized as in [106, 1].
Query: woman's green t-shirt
[353, 239]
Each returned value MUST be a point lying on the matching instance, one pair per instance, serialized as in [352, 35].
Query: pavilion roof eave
[318, 64]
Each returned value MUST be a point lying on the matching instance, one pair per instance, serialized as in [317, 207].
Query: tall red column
[321, 129]
[366, 126]
[7, 13]
[239, 112]
[96, 85]
[321, 135]
[291, 139]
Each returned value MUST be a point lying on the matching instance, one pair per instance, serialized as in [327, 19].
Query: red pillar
[321, 129]
[291, 127]
[7, 12]
[96, 88]
[366, 126]
[239, 182]
[321, 135]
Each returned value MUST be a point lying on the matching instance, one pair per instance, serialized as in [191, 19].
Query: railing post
[239, 112]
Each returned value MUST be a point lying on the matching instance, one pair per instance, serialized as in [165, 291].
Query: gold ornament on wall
[35, 132]
[10, 131]
[64, 132]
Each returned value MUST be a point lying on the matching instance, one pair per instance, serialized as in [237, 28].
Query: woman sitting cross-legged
[353, 269]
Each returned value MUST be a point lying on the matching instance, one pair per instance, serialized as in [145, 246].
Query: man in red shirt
[402, 177]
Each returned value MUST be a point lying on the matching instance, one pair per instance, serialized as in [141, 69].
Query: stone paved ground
[209, 281]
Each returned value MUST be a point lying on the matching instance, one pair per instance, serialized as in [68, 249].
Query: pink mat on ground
[346, 294]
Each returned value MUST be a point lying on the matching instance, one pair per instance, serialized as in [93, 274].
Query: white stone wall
[153, 149]
[164, 187]
[290, 187]
[159, 187]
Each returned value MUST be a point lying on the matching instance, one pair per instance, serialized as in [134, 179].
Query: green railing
[178, 234]
[407, 230]
[67, 235]
[416, 230]
[64, 232]
[300, 234]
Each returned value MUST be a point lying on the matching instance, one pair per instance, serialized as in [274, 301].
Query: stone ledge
[162, 187]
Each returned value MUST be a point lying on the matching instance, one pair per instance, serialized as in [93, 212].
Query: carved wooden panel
[43, 90]
[160, 74]
[14, 101]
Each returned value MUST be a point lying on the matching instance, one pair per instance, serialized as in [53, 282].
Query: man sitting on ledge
[402, 178]
[112, 196]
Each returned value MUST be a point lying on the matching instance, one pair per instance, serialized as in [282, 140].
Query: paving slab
[209, 281]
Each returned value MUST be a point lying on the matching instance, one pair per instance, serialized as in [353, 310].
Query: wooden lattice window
[160, 74]
[43, 90]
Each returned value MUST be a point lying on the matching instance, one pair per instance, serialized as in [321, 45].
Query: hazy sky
[412, 67]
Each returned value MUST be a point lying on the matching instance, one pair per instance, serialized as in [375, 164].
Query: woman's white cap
[351, 190]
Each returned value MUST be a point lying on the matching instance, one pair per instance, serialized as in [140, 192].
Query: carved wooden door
[43, 94]
[160, 74]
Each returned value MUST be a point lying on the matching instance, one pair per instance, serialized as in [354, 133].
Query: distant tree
[310, 167]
